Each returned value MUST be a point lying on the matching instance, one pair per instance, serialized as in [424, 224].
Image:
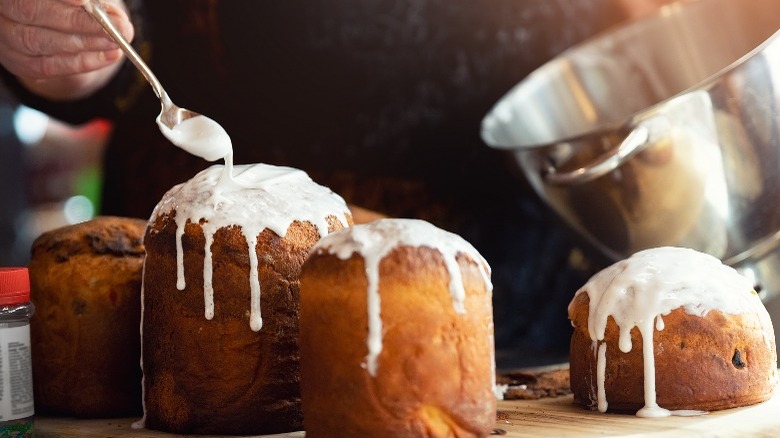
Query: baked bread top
[85, 283]
[103, 235]
[254, 198]
[375, 240]
[396, 334]
[639, 291]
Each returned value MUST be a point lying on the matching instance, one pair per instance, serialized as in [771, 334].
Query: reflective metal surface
[663, 132]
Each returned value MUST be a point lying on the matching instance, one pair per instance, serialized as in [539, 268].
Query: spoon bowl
[172, 114]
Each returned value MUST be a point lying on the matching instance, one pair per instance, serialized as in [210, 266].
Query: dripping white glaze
[638, 291]
[141, 423]
[375, 240]
[255, 198]
[601, 365]
[200, 136]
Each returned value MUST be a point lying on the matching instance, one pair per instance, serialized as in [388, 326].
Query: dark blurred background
[385, 76]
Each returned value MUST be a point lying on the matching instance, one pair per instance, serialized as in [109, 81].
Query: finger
[36, 41]
[83, 62]
[45, 67]
[52, 14]
[64, 17]
[74, 2]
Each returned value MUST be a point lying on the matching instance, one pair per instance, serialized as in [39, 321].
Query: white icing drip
[375, 240]
[648, 362]
[255, 198]
[457, 292]
[208, 270]
[180, 282]
[656, 411]
[374, 341]
[600, 374]
[141, 423]
[255, 320]
[500, 391]
[638, 291]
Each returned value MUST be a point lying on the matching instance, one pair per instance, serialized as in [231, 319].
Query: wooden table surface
[551, 417]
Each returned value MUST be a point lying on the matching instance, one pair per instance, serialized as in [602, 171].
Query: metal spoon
[171, 115]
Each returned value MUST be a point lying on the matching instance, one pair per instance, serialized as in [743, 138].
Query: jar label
[16, 389]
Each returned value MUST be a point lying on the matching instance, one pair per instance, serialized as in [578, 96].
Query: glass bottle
[16, 389]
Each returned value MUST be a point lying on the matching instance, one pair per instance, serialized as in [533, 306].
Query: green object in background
[88, 184]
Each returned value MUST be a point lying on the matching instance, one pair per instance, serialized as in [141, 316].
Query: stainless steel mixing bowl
[665, 131]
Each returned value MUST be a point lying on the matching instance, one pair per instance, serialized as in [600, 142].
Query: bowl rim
[615, 33]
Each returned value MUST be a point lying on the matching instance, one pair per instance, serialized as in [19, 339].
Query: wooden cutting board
[551, 417]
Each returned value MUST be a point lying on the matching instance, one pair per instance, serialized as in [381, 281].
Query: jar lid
[14, 285]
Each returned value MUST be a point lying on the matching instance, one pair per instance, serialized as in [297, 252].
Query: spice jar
[16, 388]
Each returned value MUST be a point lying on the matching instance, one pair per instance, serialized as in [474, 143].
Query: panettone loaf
[221, 290]
[85, 283]
[396, 334]
[670, 331]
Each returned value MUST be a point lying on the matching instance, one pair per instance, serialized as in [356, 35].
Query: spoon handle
[96, 10]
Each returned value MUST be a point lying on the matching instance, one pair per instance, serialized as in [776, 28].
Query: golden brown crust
[85, 282]
[434, 375]
[218, 376]
[714, 362]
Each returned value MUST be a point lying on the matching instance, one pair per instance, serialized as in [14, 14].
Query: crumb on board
[535, 384]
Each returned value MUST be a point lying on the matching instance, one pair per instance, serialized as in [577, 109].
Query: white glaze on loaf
[375, 240]
[640, 290]
[255, 197]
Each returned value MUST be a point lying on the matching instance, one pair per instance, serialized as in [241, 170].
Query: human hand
[56, 49]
